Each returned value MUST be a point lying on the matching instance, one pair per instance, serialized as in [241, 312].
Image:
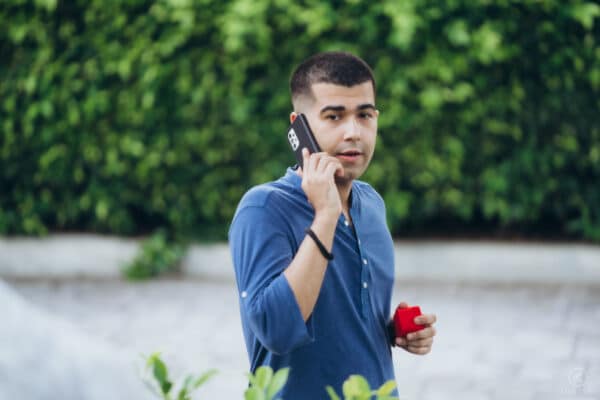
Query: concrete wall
[102, 257]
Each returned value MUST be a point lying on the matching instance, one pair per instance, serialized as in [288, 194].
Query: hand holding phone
[318, 176]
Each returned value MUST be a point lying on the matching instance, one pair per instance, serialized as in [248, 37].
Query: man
[324, 318]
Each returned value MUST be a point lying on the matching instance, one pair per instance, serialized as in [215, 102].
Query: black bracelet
[322, 248]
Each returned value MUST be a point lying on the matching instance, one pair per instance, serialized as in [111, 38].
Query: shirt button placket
[365, 288]
[364, 293]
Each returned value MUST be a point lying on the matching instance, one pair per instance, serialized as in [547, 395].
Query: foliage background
[125, 116]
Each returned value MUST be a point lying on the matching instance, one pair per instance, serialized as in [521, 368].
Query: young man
[324, 318]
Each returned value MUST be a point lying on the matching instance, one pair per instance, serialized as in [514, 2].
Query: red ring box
[404, 320]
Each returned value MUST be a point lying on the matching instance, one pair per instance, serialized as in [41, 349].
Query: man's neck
[344, 191]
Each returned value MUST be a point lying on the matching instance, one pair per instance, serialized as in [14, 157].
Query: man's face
[344, 122]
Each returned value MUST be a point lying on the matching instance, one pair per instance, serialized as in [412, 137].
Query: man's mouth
[349, 155]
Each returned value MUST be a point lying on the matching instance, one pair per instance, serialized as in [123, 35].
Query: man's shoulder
[264, 202]
[257, 196]
[369, 191]
[265, 194]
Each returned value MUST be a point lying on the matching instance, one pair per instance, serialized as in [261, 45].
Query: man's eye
[366, 115]
[333, 117]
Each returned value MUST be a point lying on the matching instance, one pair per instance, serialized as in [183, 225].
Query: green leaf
[356, 386]
[151, 359]
[251, 379]
[254, 393]
[332, 394]
[585, 13]
[458, 33]
[183, 394]
[278, 382]
[185, 388]
[50, 5]
[203, 378]
[187, 382]
[386, 388]
[263, 374]
[160, 374]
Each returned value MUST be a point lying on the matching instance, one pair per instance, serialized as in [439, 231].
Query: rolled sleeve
[261, 250]
[275, 317]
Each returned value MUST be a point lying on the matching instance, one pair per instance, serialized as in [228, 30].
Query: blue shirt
[347, 332]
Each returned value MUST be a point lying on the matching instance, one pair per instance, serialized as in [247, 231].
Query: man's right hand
[318, 182]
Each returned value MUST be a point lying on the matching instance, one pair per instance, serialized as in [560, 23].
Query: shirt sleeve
[261, 250]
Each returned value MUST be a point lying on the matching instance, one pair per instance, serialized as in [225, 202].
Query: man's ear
[293, 116]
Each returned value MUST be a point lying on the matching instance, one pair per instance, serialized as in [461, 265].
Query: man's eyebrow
[365, 106]
[342, 108]
[332, 108]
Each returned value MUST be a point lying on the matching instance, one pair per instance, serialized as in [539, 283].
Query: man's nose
[352, 131]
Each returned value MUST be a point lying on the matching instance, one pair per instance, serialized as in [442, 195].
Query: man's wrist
[326, 253]
[323, 226]
[327, 217]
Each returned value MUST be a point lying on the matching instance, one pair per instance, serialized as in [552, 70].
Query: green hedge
[125, 116]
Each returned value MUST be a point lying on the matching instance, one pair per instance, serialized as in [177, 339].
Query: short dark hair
[339, 68]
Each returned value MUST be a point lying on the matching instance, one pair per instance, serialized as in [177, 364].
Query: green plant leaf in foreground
[263, 377]
[159, 370]
[254, 393]
[264, 384]
[331, 393]
[278, 382]
[202, 379]
[356, 387]
[161, 376]
[386, 388]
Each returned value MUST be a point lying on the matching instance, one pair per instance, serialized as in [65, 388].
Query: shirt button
[365, 261]
[346, 222]
[244, 294]
[358, 241]
[365, 285]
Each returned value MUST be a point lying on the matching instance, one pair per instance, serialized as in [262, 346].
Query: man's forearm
[306, 272]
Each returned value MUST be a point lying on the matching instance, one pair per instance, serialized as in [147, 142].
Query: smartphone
[299, 136]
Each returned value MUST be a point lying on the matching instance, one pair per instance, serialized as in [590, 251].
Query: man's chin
[348, 177]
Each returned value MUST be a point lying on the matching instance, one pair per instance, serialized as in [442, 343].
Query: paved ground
[494, 341]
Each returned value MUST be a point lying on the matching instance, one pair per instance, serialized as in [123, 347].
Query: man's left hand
[419, 342]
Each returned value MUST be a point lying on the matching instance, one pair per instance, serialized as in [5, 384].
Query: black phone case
[299, 136]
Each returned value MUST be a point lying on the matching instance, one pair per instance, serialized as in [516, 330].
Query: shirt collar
[293, 178]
